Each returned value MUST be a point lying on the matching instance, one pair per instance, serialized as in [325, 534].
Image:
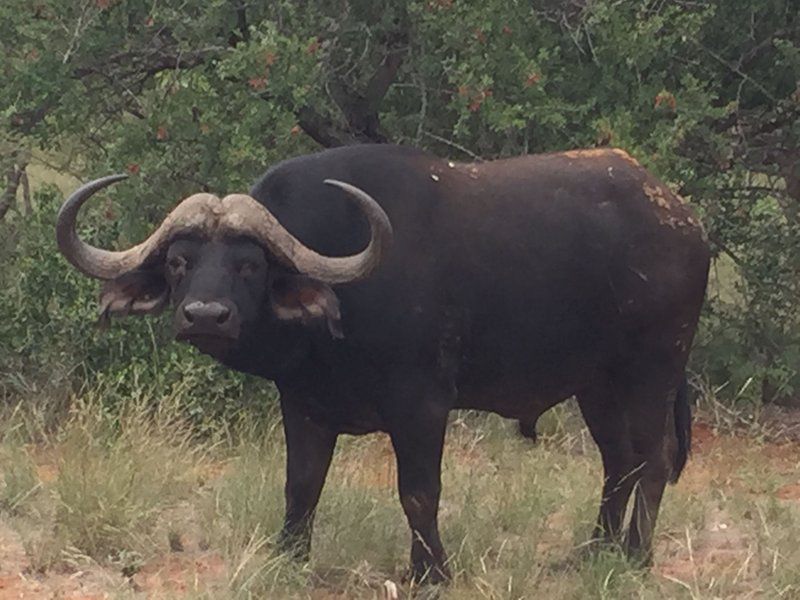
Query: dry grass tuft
[106, 480]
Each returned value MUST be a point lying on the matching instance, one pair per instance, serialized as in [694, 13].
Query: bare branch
[423, 111]
[455, 145]
[26, 194]
[736, 69]
[84, 20]
[14, 175]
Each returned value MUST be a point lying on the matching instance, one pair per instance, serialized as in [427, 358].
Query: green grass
[117, 494]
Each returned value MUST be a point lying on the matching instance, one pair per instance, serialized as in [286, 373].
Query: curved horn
[191, 214]
[238, 214]
[245, 215]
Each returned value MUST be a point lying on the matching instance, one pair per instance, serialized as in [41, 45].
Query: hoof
[639, 559]
[598, 545]
[296, 548]
[427, 575]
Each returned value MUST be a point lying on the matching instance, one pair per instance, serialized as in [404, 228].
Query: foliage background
[205, 95]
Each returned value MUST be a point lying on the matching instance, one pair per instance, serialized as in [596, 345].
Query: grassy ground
[133, 507]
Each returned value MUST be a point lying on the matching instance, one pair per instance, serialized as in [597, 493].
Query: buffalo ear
[138, 292]
[301, 298]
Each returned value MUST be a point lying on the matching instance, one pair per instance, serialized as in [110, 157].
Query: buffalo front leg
[418, 438]
[309, 448]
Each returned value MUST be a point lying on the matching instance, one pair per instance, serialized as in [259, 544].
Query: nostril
[192, 310]
[223, 315]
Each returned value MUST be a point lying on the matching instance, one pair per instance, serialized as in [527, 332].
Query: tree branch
[455, 145]
[144, 71]
[14, 175]
[736, 69]
[26, 194]
[361, 110]
[322, 130]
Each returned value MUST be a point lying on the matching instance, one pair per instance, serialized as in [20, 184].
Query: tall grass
[112, 476]
[120, 491]
[116, 472]
[244, 513]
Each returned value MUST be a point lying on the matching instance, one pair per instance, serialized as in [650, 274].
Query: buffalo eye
[178, 265]
[247, 268]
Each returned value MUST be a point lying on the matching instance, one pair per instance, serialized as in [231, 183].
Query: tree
[204, 95]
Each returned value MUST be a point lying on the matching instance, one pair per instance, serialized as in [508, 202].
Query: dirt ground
[190, 569]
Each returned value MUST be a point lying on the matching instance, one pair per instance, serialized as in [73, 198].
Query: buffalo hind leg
[653, 436]
[628, 422]
[309, 448]
[417, 432]
[607, 424]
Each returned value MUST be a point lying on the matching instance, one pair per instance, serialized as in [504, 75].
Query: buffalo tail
[683, 429]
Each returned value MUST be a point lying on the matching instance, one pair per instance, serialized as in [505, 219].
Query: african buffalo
[422, 285]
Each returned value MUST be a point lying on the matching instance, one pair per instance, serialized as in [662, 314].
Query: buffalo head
[222, 262]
